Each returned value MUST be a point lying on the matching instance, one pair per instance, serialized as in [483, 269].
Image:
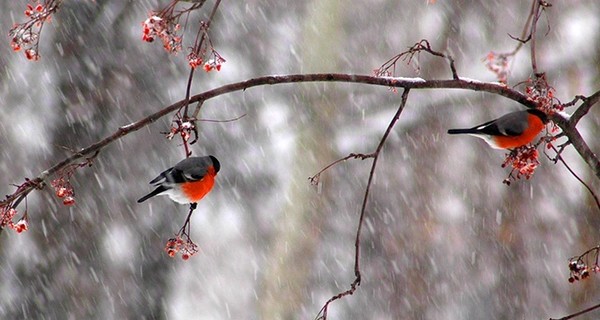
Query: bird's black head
[540, 114]
[216, 163]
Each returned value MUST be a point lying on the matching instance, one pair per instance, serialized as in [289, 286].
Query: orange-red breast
[188, 181]
[510, 131]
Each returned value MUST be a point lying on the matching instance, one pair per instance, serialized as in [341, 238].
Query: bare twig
[524, 33]
[375, 155]
[203, 29]
[560, 158]
[536, 16]
[314, 180]
[187, 226]
[584, 108]
[538, 8]
[577, 314]
[574, 101]
[408, 56]
[576, 140]
[221, 121]
[499, 63]
[522, 41]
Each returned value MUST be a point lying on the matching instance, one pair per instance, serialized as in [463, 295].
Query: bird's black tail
[156, 191]
[463, 131]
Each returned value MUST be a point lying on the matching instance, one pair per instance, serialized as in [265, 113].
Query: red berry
[61, 192]
[185, 256]
[68, 201]
[21, 226]
[15, 46]
[31, 54]
[147, 38]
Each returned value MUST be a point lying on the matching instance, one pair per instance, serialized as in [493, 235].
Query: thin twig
[314, 180]
[186, 228]
[584, 108]
[560, 158]
[536, 16]
[524, 34]
[577, 314]
[221, 121]
[188, 90]
[204, 29]
[408, 55]
[523, 41]
[354, 285]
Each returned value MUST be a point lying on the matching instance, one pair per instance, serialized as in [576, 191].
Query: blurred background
[443, 237]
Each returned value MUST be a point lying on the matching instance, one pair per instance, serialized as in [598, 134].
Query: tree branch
[408, 83]
[577, 314]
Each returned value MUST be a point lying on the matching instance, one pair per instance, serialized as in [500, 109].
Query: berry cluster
[499, 65]
[165, 28]
[62, 185]
[8, 207]
[195, 60]
[164, 24]
[213, 64]
[200, 56]
[64, 190]
[523, 161]
[7, 215]
[579, 270]
[184, 128]
[26, 35]
[539, 91]
[21, 225]
[186, 248]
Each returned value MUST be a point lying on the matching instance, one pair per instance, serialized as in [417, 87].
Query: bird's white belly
[177, 196]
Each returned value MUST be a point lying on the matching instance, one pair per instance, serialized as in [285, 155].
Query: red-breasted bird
[510, 131]
[188, 181]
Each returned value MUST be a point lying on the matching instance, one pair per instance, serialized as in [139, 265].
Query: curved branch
[577, 314]
[407, 83]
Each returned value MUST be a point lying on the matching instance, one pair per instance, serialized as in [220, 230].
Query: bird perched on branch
[188, 181]
[510, 131]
